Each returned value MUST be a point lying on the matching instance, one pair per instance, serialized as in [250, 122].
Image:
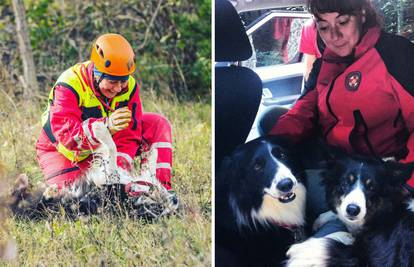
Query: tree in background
[398, 16]
[171, 39]
[29, 79]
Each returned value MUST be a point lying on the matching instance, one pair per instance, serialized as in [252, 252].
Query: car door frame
[275, 72]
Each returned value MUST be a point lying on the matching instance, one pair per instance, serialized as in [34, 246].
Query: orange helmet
[112, 54]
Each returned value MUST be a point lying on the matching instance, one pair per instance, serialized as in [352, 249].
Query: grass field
[182, 240]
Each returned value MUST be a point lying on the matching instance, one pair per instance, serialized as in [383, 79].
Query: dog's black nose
[285, 185]
[353, 209]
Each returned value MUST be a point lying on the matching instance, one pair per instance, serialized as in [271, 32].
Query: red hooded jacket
[363, 103]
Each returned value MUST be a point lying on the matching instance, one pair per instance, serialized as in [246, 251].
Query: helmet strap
[101, 78]
[97, 82]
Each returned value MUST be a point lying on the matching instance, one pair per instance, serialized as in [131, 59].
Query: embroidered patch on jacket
[353, 80]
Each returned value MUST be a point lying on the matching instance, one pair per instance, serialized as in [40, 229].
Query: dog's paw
[323, 219]
[51, 192]
[312, 252]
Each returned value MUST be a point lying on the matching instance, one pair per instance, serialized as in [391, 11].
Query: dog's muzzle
[283, 190]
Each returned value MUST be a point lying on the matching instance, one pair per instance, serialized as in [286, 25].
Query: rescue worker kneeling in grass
[102, 89]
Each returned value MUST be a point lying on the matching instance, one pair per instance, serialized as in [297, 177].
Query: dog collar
[287, 226]
[297, 231]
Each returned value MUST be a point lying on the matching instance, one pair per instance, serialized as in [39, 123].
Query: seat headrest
[231, 42]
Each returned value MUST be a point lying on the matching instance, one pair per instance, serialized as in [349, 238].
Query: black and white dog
[367, 195]
[260, 204]
[102, 187]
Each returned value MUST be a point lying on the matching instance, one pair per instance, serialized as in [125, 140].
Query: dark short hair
[346, 7]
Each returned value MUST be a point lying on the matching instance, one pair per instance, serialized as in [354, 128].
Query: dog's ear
[332, 171]
[329, 177]
[323, 156]
[399, 173]
[225, 164]
[227, 169]
[333, 154]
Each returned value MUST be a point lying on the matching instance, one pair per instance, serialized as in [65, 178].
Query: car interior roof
[248, 5]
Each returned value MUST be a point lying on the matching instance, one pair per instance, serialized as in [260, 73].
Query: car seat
[269, 119]
[238, 89]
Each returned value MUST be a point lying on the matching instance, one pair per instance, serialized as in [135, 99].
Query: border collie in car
[367, 194]
[260, 204]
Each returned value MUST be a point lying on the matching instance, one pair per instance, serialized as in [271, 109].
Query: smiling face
[110, 88]
[266, 172]
[340, 32]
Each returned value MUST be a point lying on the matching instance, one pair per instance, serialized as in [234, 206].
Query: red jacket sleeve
[406, 101]
[66, 121]
[298, 122]
[128, 140]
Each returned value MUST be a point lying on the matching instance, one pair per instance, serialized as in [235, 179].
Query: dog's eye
[369, 185]
[351, 178]
[258, 165]
[278, 153]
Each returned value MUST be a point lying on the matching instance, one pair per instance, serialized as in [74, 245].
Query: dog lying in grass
[102, 188]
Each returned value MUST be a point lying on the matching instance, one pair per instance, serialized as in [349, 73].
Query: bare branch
[25, 50]
[154, 15]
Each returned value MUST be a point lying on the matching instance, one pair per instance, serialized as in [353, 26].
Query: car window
[274, 37]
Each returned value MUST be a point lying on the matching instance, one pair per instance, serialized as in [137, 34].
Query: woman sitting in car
[360, 94]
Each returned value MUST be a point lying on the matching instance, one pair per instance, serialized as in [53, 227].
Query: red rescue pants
[155, 153]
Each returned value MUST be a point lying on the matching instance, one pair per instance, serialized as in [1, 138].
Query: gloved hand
[119, 120]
